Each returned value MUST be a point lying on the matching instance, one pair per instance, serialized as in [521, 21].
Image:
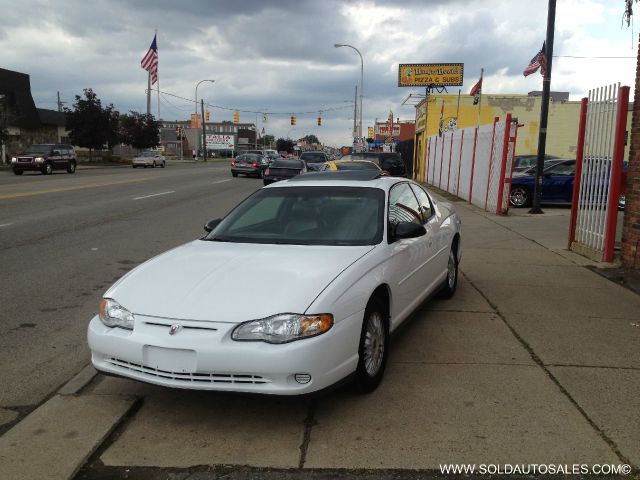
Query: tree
[284, 145]
[267, 140]
[91, 125]
[140, 130]
[311, 139]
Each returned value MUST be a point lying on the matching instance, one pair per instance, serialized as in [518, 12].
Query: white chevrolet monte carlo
[294, 291]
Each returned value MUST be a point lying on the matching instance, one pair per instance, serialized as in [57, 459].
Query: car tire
[451, 282]
[234, 174]
[519, 196]
[163, 165]
[266, 182]
[47, 169]
[17, 172]
[145, 165]
[71, 168]
[373, 348]
[154, 164]
[133, 166]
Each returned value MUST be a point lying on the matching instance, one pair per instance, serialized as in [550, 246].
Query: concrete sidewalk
[535, 360]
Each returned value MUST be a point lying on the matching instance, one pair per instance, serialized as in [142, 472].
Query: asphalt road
[64, 239]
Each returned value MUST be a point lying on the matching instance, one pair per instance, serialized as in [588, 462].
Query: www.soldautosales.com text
[536, 469]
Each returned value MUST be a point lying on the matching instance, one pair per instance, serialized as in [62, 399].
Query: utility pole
[59, 103]
[204, 135]
[544, 110]
[355, 114]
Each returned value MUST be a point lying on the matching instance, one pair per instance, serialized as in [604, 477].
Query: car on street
[45, 158]
[390, 162]
[250, 164]
[284, 169]
[296, 290]
[335, 165]
[149, 158]
[314, 160]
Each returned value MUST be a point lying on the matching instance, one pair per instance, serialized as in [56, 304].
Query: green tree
[284, 145]
[140, 130]
[90, 124]
[311, 139]
[267, 140]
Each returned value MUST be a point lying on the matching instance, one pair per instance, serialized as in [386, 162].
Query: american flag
[538, 61]
[150, 61]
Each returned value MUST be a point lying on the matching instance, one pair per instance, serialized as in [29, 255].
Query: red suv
[45, 158]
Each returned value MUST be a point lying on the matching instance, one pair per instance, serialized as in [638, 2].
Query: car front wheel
[451, 282]
[519, 197]
[17, 172]
[373, 349]
[71, 168]
[162, 165]
[47, 169]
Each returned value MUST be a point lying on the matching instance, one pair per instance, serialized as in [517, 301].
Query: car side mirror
[211, 224]
[408, 230]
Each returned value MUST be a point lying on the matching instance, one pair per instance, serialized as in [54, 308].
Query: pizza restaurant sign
[220, 141]
[383, 129]
[430, 74]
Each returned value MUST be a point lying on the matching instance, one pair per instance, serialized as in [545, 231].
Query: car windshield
[148, 154]
[313, 157]
[38, 149]
[356, 166]
[306, 216]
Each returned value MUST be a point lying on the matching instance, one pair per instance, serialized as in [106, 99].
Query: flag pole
[480, 96]
[158, 71]
[148, 92]
[544, 110]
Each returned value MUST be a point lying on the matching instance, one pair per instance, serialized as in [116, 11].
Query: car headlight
[283, 328]
[14, 159]
[39, 159]
[113, 314]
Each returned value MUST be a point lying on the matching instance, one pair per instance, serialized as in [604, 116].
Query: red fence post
[473, 164]
[577, 178]
[460, 164]
[425, 170]
[450, 152]
[441, 160]
[493, 141]
[503, 163]
[616, 174]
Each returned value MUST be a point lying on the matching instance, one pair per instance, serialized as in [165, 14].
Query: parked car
[284, 169]
[149, 158]
[296, 290]
[390, 162]
[314, 160]
[45, 158]
[250, 164]
[335, 165]
[523, 163]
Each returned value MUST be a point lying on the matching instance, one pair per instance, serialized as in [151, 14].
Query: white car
[149, 159]
[296, 289]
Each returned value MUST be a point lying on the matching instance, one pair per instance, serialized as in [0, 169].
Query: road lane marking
[222, 181]
[5, 224]
[67, 189]
[154, 195]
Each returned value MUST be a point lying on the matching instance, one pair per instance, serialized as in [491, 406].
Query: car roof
[341, 178]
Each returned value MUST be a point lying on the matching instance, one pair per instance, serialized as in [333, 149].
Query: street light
[197, 85]
[338, 45]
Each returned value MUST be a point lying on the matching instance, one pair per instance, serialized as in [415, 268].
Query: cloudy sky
[278, 56]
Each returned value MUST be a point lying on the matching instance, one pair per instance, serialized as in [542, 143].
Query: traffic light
[293, 119]
[319, 120]
[206, 115]
[236, 117]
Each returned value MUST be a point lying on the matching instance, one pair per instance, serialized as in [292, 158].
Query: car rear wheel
[134, 166]
[47, 169]
[71, 168]
[520, 196]
[451, 282]
[373, 349]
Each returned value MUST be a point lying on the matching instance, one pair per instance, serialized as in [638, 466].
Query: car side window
[562, 169]
[403, 206]
[426, 208]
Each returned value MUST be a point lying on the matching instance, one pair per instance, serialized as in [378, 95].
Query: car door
[408, 265]
[557, 184]
[438, 258]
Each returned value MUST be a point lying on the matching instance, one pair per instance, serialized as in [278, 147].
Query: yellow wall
[562, 128]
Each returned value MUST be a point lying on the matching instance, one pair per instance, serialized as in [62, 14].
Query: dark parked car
[45, 158]
[283, 170]
[249, 164]
[523, 163]
[557, 185]
[314, 160]
[390, 162]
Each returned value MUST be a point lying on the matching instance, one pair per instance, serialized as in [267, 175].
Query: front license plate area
[169, 359]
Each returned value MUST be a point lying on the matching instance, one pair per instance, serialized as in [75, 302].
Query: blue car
[557, 185]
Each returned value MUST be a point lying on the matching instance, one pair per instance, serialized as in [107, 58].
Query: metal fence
[474, 163]
[598, 178]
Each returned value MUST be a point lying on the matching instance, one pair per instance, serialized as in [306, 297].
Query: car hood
[232, 282]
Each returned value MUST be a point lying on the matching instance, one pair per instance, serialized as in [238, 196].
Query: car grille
[198, 377]
[25, 159]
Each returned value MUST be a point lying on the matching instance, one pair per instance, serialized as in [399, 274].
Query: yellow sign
[430, 74]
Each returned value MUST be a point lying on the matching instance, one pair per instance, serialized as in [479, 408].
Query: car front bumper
[202, 356]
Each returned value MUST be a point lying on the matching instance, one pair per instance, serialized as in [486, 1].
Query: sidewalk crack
[309, 422]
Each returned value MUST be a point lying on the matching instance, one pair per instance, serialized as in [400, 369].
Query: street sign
[430, 74]
[220, 142]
